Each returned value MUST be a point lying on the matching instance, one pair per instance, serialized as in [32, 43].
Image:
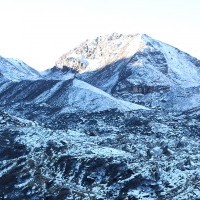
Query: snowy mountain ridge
[93, 55]
[104, 50]
[16, 70]
[68, 96]
[134, 68]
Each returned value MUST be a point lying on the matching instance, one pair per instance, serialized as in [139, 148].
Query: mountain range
[117, 117]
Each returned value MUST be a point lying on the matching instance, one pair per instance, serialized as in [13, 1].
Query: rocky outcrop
[126, 86]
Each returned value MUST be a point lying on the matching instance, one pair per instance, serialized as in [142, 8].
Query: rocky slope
[66, 96]
[117, 118]
[144, 156]
[16, 70]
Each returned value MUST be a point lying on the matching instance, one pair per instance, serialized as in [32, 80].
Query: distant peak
[103, 50]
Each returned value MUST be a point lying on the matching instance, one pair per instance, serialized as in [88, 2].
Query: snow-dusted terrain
[133, 52]
[116, 118]
[134, 68]
[131, 156]
[69, 96]
[16, 70]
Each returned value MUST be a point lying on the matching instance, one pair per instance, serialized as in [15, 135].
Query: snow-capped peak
[104, 50]
[142, 50]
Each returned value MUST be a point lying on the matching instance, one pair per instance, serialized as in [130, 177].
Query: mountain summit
[100, 52]
[128, 66]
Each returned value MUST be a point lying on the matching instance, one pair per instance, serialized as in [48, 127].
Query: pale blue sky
[40, 31]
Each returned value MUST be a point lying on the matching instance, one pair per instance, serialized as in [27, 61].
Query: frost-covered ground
[16, 70]
[132, 157]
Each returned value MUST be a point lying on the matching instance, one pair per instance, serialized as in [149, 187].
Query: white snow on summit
[117, 49]
[104, 50]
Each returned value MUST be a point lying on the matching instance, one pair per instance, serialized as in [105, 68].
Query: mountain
[16, 70]
[67, 96]
[134, 68]
[116, 118]
[113, 155]
[132, 52]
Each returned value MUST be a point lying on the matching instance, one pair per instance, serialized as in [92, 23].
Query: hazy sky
[40, 31]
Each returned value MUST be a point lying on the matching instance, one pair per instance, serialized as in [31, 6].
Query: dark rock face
[139, 89]
[9, 148]
[155, 58]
